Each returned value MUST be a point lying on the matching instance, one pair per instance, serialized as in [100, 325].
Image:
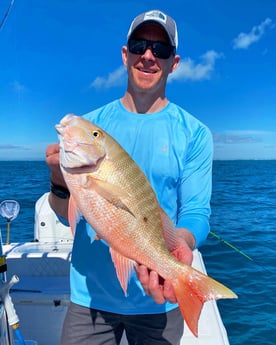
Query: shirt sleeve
[195, 186]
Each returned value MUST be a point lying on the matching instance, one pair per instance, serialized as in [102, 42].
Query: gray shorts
[85, 326]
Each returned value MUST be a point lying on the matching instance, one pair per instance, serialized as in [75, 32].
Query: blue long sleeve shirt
[174, 150]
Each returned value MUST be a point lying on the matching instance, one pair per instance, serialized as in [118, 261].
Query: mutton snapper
[113, 194]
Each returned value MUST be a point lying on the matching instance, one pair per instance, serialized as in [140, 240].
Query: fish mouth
[67, 120]
[78, 151]
[59, 128]
[73, 163]
[81, 169]
[75, 160]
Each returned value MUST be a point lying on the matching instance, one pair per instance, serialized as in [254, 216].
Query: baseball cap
[159, 17]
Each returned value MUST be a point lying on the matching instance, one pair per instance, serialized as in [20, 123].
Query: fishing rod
[6, 15]
[241, 252]
[9, 209]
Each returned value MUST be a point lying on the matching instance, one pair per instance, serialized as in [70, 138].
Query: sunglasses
[159, 50]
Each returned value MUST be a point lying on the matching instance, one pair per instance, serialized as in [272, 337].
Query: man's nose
[148, 54]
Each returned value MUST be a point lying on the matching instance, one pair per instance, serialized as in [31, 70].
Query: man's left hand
[162, 290]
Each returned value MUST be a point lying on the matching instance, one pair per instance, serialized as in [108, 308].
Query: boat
[37, 284]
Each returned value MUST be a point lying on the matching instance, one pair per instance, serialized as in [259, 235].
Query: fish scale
[142, 200]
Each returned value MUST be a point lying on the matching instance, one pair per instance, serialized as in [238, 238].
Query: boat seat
[47, 226]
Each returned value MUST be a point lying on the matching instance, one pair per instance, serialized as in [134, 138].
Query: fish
[115, 197]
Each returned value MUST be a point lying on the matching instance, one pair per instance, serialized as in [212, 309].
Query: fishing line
[241, 252]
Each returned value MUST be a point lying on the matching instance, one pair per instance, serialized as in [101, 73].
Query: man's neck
[144, 103]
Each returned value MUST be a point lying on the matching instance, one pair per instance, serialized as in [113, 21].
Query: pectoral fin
[73, 214]
[111, 193]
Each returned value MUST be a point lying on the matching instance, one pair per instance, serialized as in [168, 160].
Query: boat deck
[42, 294]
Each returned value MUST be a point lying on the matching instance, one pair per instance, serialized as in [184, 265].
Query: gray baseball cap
[159, 17]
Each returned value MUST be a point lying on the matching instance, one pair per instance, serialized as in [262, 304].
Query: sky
[64, 56]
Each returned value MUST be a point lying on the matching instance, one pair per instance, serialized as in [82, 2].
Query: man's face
[147, 72]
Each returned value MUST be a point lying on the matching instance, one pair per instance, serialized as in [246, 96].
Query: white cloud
[35, 151]
[18, 87]
[244, 136]
[235, 137]
[12, 147]
[189, 70]
[244, 40]
[245, 144]
[115, 78]
[247, 132]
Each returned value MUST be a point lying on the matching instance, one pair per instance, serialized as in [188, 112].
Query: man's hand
[60, 206]
[52, 160]
[162, 290]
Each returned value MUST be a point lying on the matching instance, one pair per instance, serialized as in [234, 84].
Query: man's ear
[124, 55]
[175, 63]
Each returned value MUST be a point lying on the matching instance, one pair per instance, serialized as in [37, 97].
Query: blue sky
[64, 56]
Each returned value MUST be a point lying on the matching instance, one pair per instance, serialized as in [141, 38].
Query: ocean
[240, 252]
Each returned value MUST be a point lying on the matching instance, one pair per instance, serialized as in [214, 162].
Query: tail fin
[192, 290]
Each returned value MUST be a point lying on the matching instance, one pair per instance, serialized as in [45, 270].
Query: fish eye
[96, 134]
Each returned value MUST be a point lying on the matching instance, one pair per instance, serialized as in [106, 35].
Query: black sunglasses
[159, 50]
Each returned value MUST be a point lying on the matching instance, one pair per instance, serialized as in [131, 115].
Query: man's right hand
[59, 205]
[52, 160]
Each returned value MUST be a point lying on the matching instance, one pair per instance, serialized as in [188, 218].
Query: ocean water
[243, 215]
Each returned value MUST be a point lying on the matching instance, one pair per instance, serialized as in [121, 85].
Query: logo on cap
[156, 15]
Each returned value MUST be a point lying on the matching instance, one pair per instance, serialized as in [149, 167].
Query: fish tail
[193, 290]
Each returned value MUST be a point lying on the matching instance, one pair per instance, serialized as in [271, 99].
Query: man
[175, 152]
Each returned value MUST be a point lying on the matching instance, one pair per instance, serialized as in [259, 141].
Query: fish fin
[73, 214]
[192, 290]
[124, 268]
[169, 232]
[173, 237]
[112, 194]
